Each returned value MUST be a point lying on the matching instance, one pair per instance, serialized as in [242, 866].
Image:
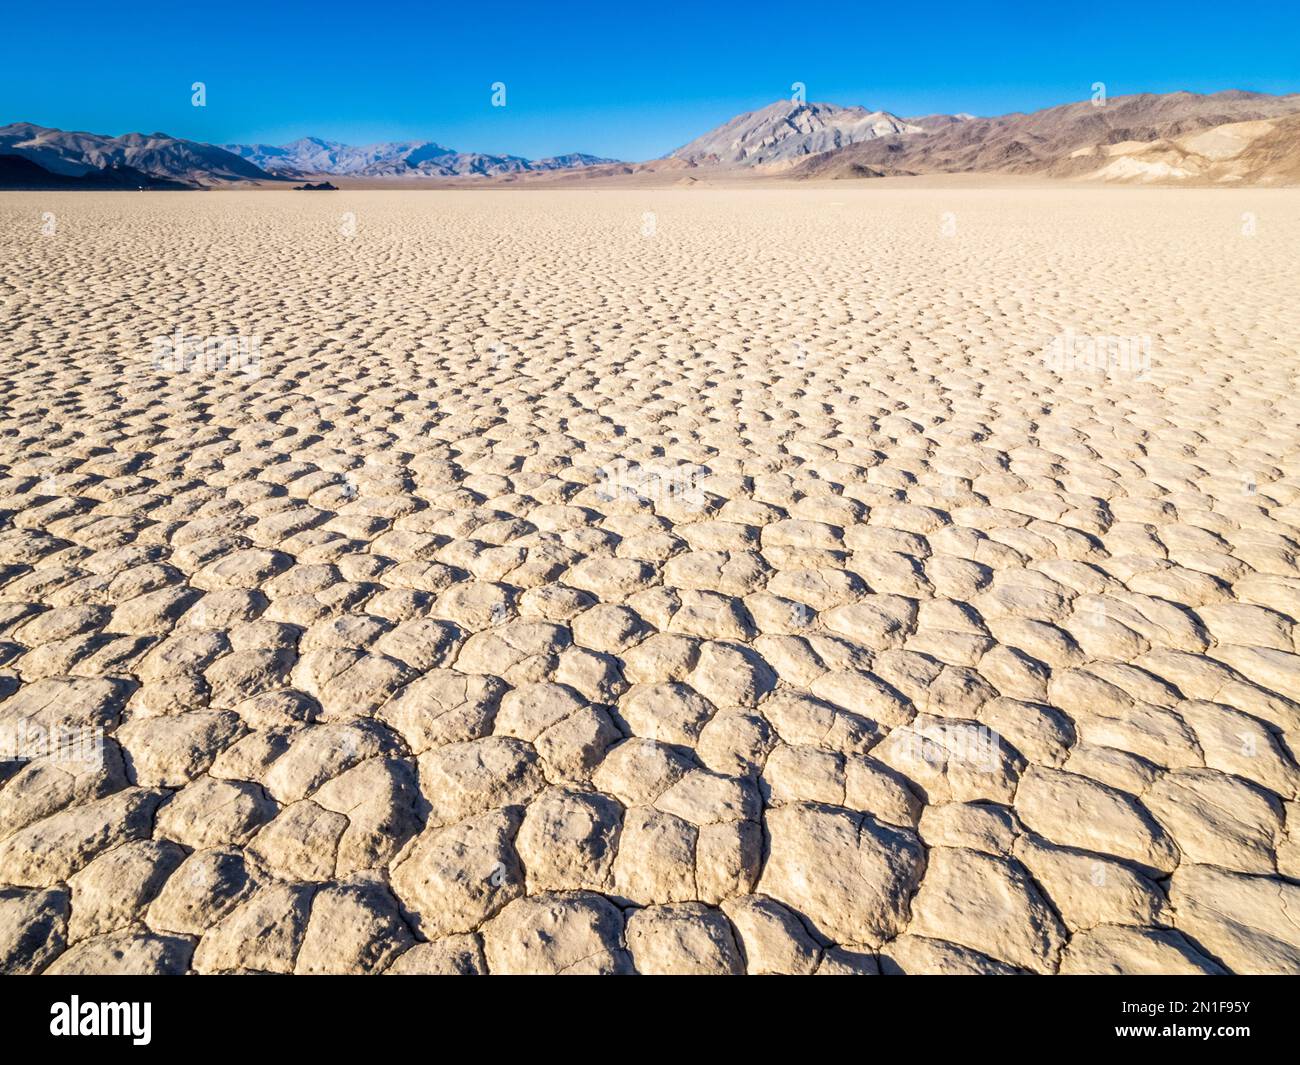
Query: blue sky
[627, 80]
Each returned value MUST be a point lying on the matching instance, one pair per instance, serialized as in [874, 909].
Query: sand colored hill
[1249, 153]
[861, 579]
[1061, 141]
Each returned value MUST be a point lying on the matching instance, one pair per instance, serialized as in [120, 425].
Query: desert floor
[667, 580]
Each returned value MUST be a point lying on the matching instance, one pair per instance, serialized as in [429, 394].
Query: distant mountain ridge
[157, 155]
[74, 159]
[396, 159]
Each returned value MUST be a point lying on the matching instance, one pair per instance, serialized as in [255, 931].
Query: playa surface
[836, 579]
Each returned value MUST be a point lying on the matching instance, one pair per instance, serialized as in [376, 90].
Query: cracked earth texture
[663, 581]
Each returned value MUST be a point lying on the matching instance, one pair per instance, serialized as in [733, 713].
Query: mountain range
[55, 158]
[405, 159]
[1184, 138]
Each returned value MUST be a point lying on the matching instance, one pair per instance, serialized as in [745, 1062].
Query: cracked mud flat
[737, 589]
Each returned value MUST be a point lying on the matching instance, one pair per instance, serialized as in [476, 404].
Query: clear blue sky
[627, 80]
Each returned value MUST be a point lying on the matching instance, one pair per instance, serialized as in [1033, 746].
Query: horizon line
[578, 151]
